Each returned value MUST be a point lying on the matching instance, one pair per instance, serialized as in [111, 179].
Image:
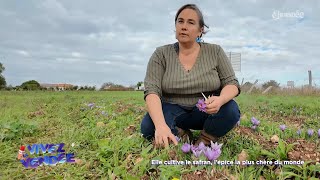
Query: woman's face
[187, 26]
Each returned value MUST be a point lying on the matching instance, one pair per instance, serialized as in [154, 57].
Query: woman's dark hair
[199, 13]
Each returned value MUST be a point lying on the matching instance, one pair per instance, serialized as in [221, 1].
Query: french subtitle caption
[223, 162]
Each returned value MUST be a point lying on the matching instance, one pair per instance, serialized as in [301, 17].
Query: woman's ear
[201, 31]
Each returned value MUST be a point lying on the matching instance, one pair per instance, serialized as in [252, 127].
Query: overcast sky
[86, 42]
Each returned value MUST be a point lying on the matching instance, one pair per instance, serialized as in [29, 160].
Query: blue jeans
[216, 125]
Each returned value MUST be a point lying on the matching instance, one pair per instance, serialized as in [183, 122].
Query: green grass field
[108, 145]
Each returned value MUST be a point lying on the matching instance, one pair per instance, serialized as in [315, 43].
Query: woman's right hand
[163, 136]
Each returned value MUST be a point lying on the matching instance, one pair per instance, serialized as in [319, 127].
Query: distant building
[290, 84]
[57, 87]
[107, 87]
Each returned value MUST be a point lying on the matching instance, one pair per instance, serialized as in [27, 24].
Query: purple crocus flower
[201, 105]
[282, 127]
[310, 132]
[254, 127]
[91, 105]
[319, 133]
[196, 152]
[212, 154]
[177, 138]
[104, 113]
[215, 146]
[255, 121]
[201, 146]
[194, 148]
[299, 132]
[186, 148]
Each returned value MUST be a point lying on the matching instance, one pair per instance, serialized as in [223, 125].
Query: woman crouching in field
[178, 74]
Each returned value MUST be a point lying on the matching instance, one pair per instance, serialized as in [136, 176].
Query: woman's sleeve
[154, 74]
[225, 70]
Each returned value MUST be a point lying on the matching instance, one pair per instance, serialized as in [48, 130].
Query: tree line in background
[33, 85]
[108, 86]
[275, 86]
[3, 82]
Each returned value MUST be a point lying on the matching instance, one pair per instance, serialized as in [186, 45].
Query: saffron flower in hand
[201, 105]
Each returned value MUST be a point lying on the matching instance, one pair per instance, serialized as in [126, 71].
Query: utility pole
[310, 78]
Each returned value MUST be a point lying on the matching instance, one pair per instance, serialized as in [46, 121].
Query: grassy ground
[107, 141]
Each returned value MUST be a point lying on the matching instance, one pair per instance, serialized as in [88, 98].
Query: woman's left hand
[213, 104]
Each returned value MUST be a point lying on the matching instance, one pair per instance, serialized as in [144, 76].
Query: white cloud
[68, 60]
[103, 62]
[76, 54]
[23, 53]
